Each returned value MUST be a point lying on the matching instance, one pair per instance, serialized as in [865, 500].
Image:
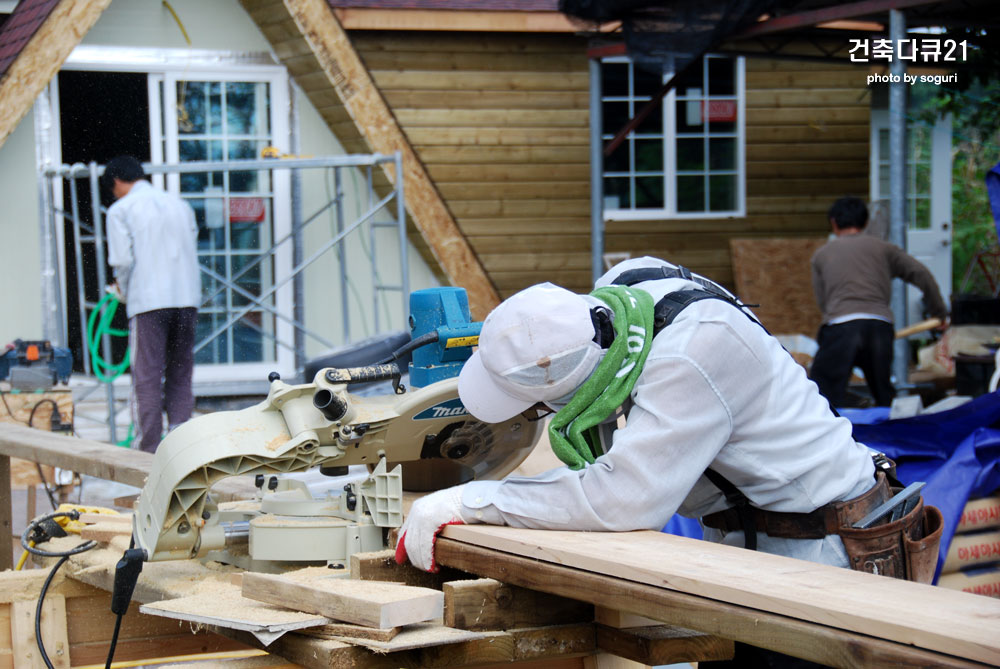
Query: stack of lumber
[973, 560]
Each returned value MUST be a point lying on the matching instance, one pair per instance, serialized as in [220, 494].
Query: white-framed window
[686, 159]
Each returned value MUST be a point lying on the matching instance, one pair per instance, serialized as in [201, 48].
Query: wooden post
[6, 527]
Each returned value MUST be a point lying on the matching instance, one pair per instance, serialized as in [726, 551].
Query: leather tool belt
[905, 548]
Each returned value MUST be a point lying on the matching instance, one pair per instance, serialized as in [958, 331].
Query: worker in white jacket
[152, 247]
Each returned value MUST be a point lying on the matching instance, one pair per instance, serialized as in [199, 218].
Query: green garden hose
[99, 324]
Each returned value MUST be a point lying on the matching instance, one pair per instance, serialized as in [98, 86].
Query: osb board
[775, 273]
[17, 407]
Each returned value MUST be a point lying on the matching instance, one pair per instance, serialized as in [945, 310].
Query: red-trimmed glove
[426, 519]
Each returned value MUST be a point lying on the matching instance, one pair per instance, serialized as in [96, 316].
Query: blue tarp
[956, 452]
[993, 191]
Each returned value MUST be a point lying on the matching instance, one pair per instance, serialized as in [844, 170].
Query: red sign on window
[719, 110]
[246, 209]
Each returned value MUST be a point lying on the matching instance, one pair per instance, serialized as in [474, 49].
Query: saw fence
[536, 599]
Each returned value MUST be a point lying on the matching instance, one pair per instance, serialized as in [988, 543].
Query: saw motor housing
[298, 427]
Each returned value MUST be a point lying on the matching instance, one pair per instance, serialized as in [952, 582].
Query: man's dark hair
[849, 212]
[123, 168]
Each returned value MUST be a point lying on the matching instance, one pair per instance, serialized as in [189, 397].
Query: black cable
[55, 410]
[426, 338]
[38, 612]
[114, 641]
[45, 484]
[3, 396]
[73, 515]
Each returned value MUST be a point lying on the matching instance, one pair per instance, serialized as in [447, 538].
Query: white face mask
[561, 402]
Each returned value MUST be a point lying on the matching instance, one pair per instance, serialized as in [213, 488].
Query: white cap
[537, 346]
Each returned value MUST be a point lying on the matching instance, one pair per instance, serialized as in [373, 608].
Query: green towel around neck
[572, 431]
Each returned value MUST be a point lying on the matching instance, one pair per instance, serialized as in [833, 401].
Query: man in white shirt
[152, 247]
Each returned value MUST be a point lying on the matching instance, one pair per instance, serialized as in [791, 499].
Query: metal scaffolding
[90, 236]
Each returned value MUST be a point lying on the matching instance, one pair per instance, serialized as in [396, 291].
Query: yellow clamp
[75, 526]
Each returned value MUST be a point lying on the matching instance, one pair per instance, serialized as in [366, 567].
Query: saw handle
[368, 374]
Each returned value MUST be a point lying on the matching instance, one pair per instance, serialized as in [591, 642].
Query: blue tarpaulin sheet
[993, 191]
[956, 453]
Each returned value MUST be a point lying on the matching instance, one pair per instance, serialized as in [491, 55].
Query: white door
[928, 197]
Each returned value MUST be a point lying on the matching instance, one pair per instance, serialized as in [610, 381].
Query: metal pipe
[81, 292]
[404, 243]
[298, 290]
[897, 188]
[95, 205]
[345, 312]
[596, 174]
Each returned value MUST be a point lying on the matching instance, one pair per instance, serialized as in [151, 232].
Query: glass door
[229, 116]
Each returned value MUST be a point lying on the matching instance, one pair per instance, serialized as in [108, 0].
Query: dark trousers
[162, 343]
[865, 343]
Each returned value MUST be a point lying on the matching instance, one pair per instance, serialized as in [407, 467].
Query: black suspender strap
[738, 501]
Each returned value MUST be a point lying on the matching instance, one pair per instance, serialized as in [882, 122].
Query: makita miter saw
[423, 427]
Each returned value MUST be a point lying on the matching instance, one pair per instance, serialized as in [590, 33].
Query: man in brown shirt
[852, 277]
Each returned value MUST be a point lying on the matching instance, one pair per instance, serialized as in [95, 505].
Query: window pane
[721, 76]
[217, 350]
[648, 80]
[648, 155]
[649, 193]
[616, 193]
[248, 340]
[691, 154]
[722, 192]
[883, 144]
[883, 181]
[244, 182]
[690, 193]
[689, 116]
[246, 108]
[614, 79]
[192, 107]
[921, 213]
[722, 153]
[691, 83]
[211, 287]
[922, 184]
[249, 278]
[618, 161]
[653, 123]
[615, 116]
[249, 217]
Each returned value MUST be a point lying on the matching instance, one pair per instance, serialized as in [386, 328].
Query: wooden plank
[452, 61]
[382, 566]
[367, 603]
[499, 136]
[818, 132]
[468, 43]
[105, 532]
[487, 604]
[111, 463]
[408, 99]
[854, 79]
[789, 169]
[346, 632]
[795, 151]
[816, 642]
[663, 644]
[416, 635]
[227, 608]
[502, 154]
[521, 190]
[930, 618]
[52, 628]
[542, 82]
[363, 18]
[764, 187]
[42, 57]
[810, 97]
[853, 115]
[353, 83]
[492, 118]
[787, 303]
[511, 172]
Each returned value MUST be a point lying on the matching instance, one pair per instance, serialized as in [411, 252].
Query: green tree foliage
[974, 103]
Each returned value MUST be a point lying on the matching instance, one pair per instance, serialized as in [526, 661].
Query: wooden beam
[824, 614]
[837, 12]
[360, 18]
[382, 566]
[93, 458]
[41, 58]
[347, 74]
[6, 513]
[52, 627]
[487, 604]
[663, 644]
[370, 603]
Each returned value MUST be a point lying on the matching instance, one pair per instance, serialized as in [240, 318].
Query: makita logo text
[443, 410]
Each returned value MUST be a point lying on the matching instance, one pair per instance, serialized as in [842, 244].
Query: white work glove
[426, 519]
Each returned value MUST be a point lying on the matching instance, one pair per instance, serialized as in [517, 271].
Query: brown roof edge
[32, 58]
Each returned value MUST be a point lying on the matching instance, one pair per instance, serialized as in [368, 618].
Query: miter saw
[418, 437]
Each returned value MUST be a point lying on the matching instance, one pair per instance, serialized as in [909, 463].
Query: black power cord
[126, 575]
[38, 531]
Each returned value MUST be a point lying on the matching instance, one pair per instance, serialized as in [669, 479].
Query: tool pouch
[906, 548]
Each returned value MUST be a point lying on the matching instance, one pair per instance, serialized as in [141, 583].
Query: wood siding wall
[501, 123]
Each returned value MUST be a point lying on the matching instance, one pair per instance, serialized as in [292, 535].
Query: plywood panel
[787, 303]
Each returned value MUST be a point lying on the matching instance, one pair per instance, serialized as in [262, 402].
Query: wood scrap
[663, 644]
[225, 607]
[105, 532]
[347, 631]
[382, 566]
[370, 603]
[486, 604]
[417, 635]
